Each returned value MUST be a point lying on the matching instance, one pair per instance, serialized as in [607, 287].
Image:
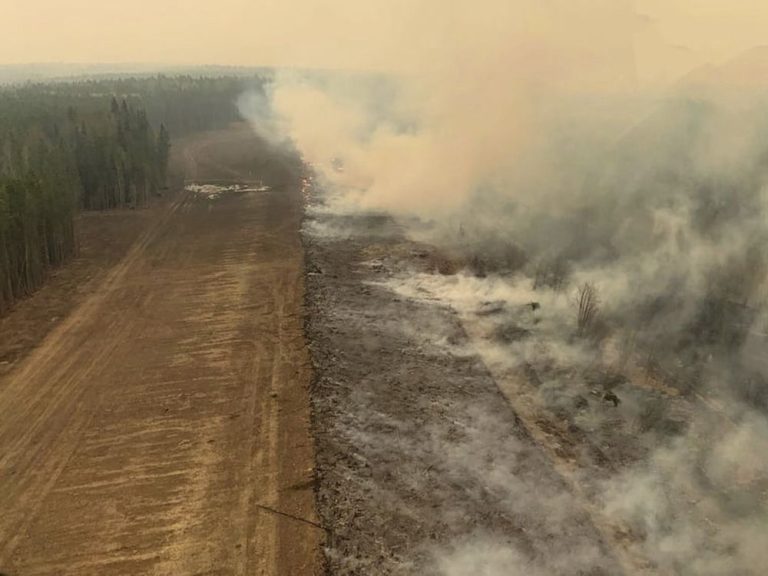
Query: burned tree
[588, 307]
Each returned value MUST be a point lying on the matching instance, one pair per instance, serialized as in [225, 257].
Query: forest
[89, 145]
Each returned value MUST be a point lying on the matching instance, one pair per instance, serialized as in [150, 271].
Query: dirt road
[162, 427]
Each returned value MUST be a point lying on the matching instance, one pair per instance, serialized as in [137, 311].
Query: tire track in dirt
[58, 366]
[143, 433]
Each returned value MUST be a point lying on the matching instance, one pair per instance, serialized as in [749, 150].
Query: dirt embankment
[160, 426]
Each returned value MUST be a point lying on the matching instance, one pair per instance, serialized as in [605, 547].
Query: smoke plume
[540, 129]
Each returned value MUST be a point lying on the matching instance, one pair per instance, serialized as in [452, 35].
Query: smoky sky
[650, 40]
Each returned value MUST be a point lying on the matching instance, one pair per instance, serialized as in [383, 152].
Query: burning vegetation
[609, 279]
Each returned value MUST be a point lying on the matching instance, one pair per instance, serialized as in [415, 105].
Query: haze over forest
[657, 40]
[408, 287]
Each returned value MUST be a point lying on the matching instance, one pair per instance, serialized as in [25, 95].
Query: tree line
[185, 103]
[91, 144]
[60, 153]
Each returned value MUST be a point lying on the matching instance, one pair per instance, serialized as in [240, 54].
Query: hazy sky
[669, 36]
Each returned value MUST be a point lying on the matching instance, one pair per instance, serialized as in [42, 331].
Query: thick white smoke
[530, 122]
[476, 94]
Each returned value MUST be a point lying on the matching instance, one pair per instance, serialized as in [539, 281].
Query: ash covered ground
[461, 428]
[422, 464]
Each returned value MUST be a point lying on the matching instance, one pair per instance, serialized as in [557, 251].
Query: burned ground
[420, 459]
[463, 422]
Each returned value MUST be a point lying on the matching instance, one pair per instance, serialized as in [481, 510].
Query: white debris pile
[213, 191]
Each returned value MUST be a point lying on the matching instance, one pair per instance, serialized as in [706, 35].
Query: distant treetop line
[92, 145]
[63, 72]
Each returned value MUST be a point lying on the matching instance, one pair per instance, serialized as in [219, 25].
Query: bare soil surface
[104, 239]
[161, 425]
